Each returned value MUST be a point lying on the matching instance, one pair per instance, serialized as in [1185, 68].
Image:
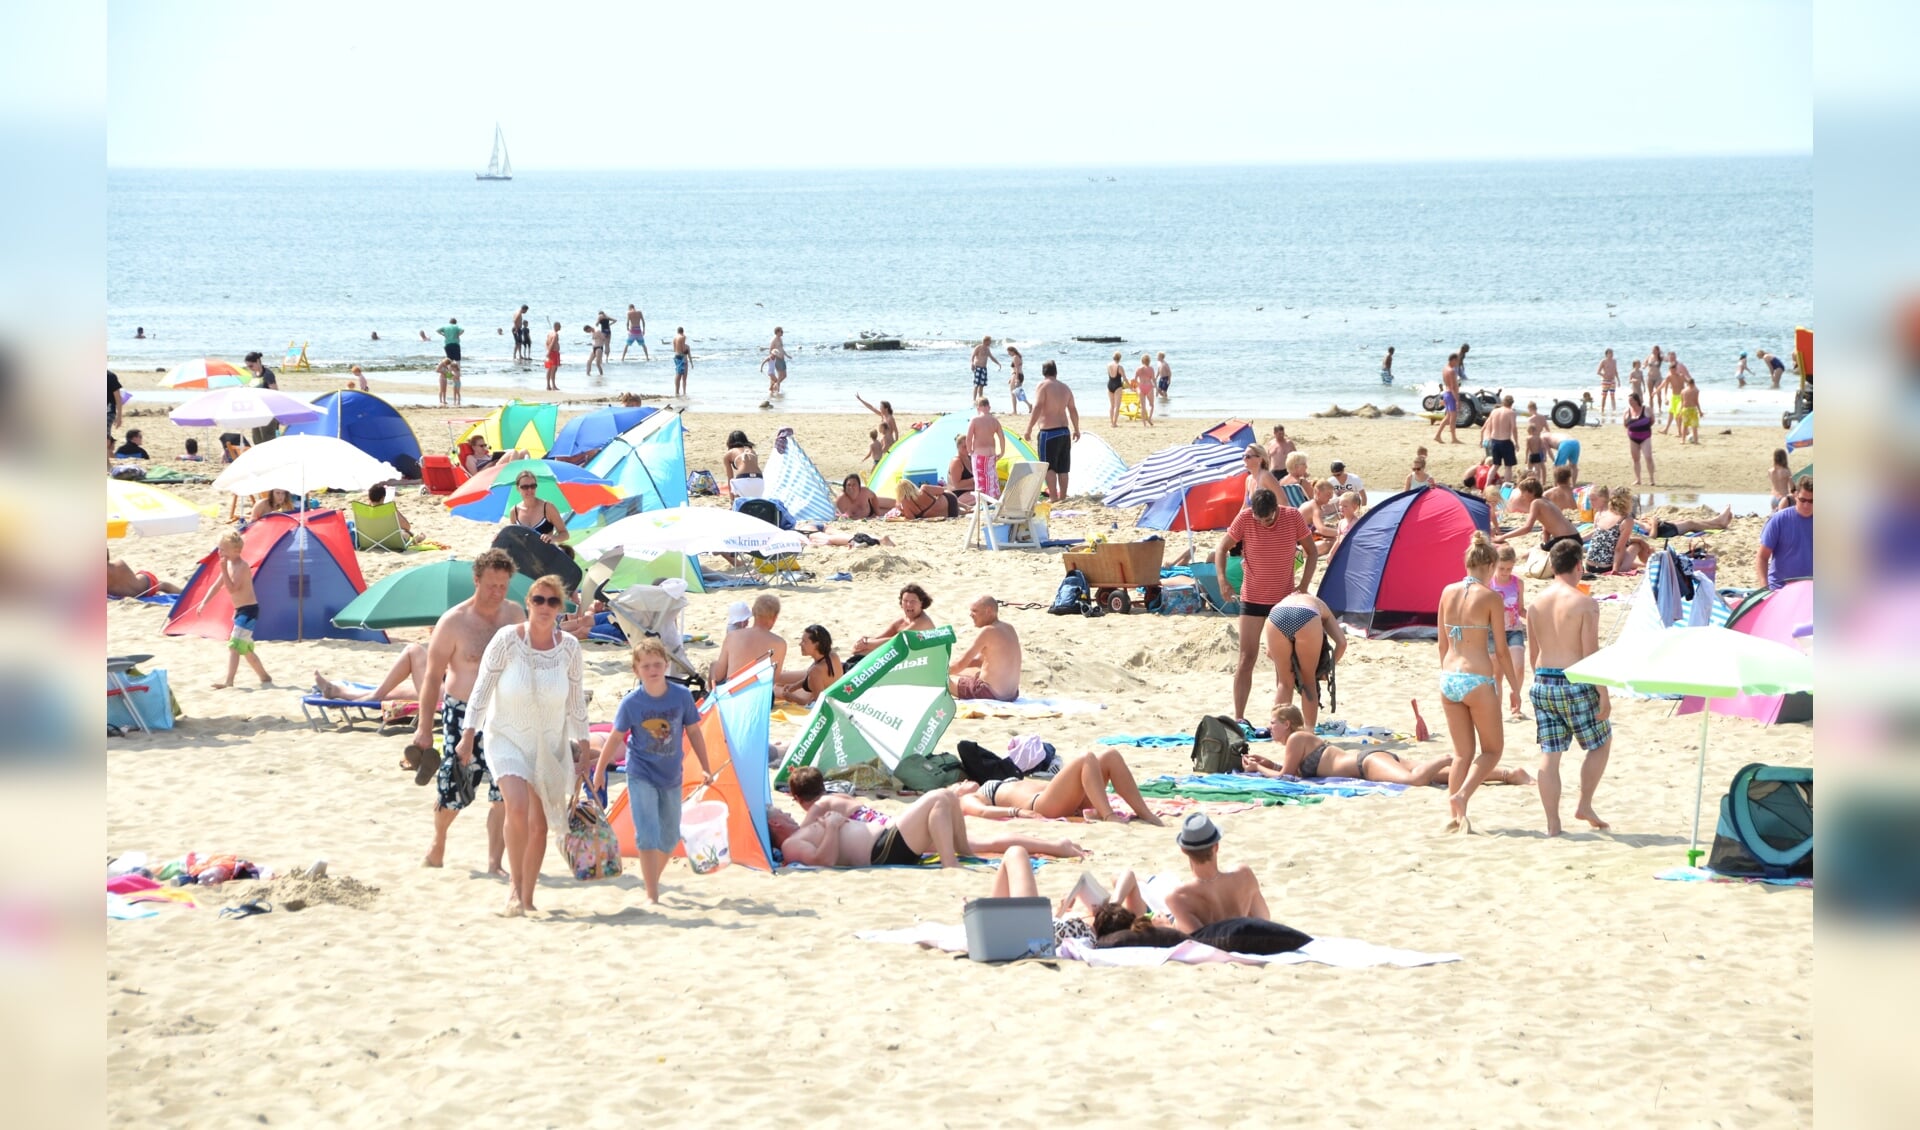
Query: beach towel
[1340, 953]
[164, 599]
[1268, 790]
[1707, 875]
[1023, 707]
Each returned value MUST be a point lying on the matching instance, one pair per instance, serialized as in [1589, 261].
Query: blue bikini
[1455, 686]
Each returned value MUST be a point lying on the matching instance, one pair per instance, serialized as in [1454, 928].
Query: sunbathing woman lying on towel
[1081, 785]
[929, 501]
[1308, 756]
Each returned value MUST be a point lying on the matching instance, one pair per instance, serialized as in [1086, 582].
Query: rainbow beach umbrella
[206, 372]
[490, 494]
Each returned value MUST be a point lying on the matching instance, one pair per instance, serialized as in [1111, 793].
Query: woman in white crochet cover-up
[529, 704]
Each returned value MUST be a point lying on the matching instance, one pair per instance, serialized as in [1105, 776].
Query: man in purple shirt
[1786, 543]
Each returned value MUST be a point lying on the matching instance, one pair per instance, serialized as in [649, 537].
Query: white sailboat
[499, 166]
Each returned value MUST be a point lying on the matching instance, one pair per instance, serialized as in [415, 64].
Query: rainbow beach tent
[734, 720]
[304, 572]
[924, 455]
[518, 424]
[1779, 615]
[1386, 575]
[368, 423]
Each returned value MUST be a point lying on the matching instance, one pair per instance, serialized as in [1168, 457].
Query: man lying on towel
[1222, 907]
[124, 580]
[991, 666]
[839, 831]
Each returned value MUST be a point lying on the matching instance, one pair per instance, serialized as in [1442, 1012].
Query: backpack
[924, 772]
[1072, 598]
[983, 765]
[1218, 745]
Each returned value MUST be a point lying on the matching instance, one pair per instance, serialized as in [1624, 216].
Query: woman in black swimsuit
[929, 501]
[1307, 756]
[1116, 379]
[536, 513]
[816, 643]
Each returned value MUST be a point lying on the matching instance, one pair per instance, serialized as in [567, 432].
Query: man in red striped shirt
[1268, 534]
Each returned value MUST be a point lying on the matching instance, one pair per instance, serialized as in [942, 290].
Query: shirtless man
[839, 831]
[1279, 450]
[636, 333]
[1058, 419]
[744, 646]
[124, 581]
[857, 501]
[1561, 494]
[777, 356]
[1677, 376]
[1213, 894]
[1609, 374]
[986, 443]
[982, 354]
[682, 360]
[459, 639]
[1563, 628]
[991, 666]
[1690, 412]
[1450, 399]
[914, 602]
[1542, 514]
[1500, 431]
[522, 340]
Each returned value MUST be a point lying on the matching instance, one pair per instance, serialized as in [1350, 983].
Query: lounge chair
[349, 712]
[1296, 494]
[441, 475]
[1209, 582]
[378, 527]
[1015, 510]
[1130, 406]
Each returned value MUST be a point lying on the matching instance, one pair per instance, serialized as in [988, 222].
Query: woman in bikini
[1080, 785]
[1307, 756]
[1780, 480]
[1116, 380]
[536, 513]
[1418, 477]
[1473, 625]
[804, 686]
[742, 462]
[960, 470]
[930, 501]
[1258, 477]
[889, 428]
[914, 602]
[1296, 632]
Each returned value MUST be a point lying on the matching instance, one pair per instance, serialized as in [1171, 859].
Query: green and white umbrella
[1708, 662]
[892, 704]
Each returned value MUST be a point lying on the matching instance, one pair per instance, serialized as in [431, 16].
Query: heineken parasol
[891, 704]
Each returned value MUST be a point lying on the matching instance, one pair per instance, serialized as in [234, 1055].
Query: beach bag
[1072, 597]
[924, 772]
[982, 765]
[701, 483]
[1180, 600]
[1539, 566]
[147, 694]
[591, 846]
[1218, 745]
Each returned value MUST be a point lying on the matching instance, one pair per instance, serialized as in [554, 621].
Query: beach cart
[1114, 569]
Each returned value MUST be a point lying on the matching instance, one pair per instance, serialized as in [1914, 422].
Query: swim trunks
[1689, 417]
[1563, 711]
[1163, 384]
[553, 359]
[152, 583]
[890, 850]
[679, 364]
[453, 351]
[973, 686]
[456, 792]
[1567, 453]
[1056, 447]
[1450, 402]
[635, 337]
[245, 618]
[979, 376]
[1503, 453]
[985, 476]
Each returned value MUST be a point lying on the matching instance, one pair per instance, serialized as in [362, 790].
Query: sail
[499, 165]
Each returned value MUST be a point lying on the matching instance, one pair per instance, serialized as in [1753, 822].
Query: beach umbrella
[691, 530]
[490, 494]
[589, 433]
[417, 597]
[646, 566]
[206, 372]
[892, 704]
[1802, 434]
[1175, 469]
[136, 508]
[242, 408]
[298, 464]
[1708, 662]
[587, 521]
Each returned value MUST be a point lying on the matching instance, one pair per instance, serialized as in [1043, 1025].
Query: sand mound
[1367, 412]
[880, 563]
[1334, 413]
[297, 892]
[1393, 410]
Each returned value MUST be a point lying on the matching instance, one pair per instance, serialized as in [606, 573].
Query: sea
[1273, 291]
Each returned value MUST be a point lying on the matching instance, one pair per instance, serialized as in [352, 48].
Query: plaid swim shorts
[1563, 711]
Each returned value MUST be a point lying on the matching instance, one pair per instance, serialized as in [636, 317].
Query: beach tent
[1233, 433]
[365, 421]
[928, 451]
[793, 480]
[1766, 824]
[892, 704]
[304, 572]
[1386, 575]
[517, 424]
[1208, 506]
[584, 435]
[1096, 466]
[648, 461]
[1776, 614]
[734, 720]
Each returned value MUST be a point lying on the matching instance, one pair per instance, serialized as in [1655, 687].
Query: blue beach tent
[584, 435]
[648, 461]
[368, 423]
[1388, 572]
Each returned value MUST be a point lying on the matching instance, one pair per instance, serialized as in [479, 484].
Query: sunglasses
[545, 600]
[528, 486]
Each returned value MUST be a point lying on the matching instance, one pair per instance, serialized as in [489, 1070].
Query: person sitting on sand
[839, 831]
[930, 500]
[856, 501]
[1614, 548]
[990, 668]
[1258, 476]
[125, 581]
[742, 463]
[1560, 495]
[1296, 476]
[275, 501]
[1213, 893]
[1080, 786]
[804, 686]
[914, 602]
[745, 644]
[1321, 515]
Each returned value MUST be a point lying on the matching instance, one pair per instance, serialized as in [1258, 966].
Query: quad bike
[1475, 407]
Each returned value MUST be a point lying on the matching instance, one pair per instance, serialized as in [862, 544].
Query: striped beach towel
[795, 481]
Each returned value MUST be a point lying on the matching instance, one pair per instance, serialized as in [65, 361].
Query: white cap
[739, 614]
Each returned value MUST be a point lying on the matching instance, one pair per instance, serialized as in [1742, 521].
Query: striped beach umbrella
[1175, 469]
[206, 372]
[488, 495]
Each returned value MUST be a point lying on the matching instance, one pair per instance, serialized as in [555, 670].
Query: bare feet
[1592, 818]
[221, 686]
[328, 687]
[494, 869]
[436, 855]
[513, 909]
[1520, 777]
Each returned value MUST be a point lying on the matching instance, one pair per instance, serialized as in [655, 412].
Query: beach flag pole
[1699, 786]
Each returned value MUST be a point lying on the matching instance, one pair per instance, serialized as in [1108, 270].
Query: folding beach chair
[378, 527]
[296, 359]
[1007, 522]
[1209, 582]
[118, 685]
[1130, 405]
[441, 475]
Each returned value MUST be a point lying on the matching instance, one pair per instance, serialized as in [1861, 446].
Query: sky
[750, 85]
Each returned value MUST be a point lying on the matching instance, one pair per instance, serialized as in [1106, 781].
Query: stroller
[655, 610]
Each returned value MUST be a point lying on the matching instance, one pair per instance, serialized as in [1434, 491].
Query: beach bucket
[703, 825]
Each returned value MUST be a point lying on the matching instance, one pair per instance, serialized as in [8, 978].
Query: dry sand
[1590, 993]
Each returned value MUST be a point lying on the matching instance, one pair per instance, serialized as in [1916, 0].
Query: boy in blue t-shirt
[649, 725]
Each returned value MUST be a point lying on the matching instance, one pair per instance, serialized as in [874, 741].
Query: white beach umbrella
[136, 508]
[300, 463]
[243, 408]
[692, 529]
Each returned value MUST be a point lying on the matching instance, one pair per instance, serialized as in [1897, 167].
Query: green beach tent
[416, 597]
[929, 450]
[892, 704]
